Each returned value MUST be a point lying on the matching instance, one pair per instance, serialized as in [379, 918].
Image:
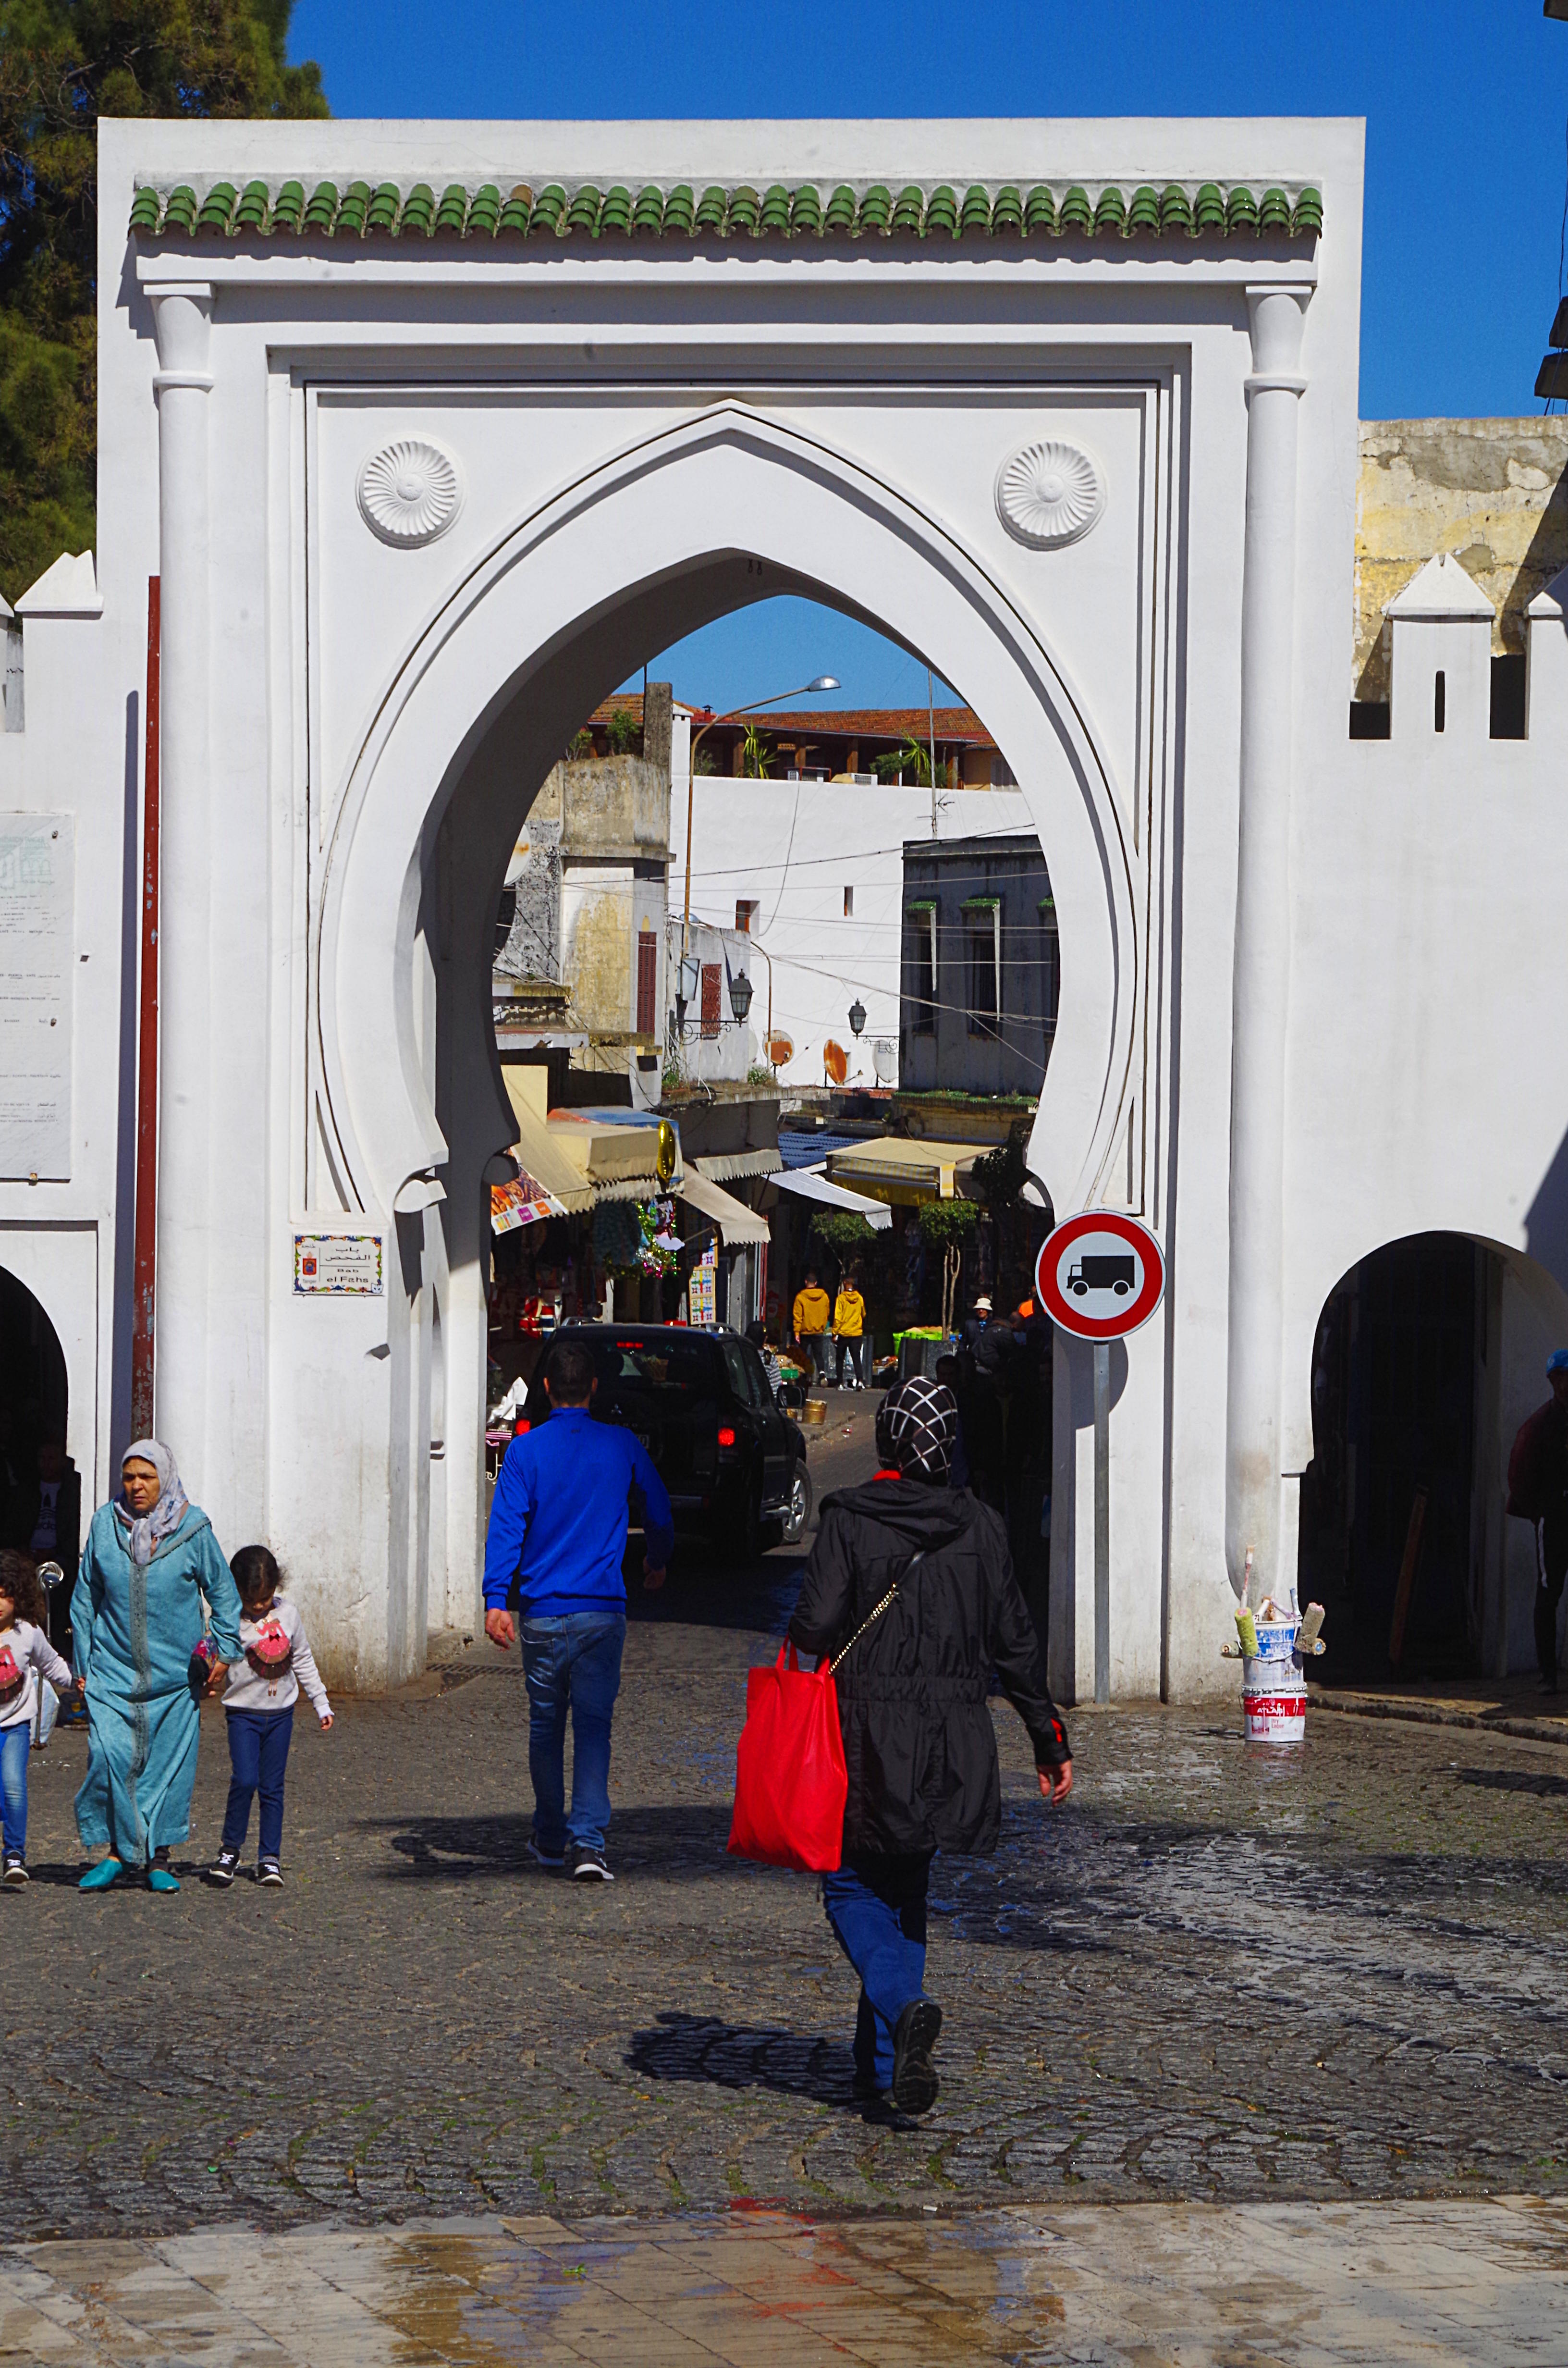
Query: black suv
[733, 1462]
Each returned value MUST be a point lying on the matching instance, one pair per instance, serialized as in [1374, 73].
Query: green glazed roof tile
[1204, 210]
[942, 213]
[976, 214]
[1039, 211]
[251, 212]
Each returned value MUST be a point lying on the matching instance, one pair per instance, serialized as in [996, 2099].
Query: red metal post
[145, 1268]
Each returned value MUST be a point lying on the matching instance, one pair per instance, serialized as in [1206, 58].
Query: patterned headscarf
[141, 1532]
[917, 1426]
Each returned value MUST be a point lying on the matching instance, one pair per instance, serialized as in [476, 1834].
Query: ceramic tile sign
[337, 1265]
[37, 957]
[703, 1289]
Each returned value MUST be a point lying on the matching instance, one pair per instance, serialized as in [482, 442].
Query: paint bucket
[814, 1414]
[1273, 1692]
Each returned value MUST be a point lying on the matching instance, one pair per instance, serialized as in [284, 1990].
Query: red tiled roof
[954, 725]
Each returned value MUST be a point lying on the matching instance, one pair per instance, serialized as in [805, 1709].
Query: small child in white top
[263, 1687]
[24, 1653]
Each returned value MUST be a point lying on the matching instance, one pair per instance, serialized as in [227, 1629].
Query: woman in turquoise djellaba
[136, 1620]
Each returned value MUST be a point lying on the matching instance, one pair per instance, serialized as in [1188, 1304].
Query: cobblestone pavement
[1442, 2285]
[1217, 1974]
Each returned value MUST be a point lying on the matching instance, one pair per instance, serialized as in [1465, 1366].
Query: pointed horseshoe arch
[631, 556]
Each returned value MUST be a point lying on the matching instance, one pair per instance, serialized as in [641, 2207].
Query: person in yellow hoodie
[811, 1324]
[849, 1330]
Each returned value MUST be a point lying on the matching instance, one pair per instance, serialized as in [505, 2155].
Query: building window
[713, 987]
[923, 970]
[1050, 965]
[849, 903]
[983, 965]
[1002, 774]
[744, 908]
[647, 983]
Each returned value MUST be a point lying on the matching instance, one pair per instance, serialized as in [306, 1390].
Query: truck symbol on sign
[1102, 1274]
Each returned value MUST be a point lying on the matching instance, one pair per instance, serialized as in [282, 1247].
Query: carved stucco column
[1261, 982]
[182, 321]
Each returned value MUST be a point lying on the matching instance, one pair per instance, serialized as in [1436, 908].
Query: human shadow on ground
[701, 2049]
[671, 1842]
[1517, 1780]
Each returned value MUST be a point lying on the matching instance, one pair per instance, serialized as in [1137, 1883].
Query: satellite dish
[780, 1051]
[835, 1061]
[884, 1057]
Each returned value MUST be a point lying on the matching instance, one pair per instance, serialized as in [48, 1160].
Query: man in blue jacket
[558, 1529]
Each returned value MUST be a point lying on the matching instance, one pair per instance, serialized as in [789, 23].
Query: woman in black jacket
[927, 1568]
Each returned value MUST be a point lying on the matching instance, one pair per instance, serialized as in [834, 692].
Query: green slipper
[99, 1877]
[160, 1879]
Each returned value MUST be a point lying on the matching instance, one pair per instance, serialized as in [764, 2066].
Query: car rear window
[672, 1368]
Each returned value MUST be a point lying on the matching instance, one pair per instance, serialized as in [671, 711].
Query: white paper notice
[35, 962]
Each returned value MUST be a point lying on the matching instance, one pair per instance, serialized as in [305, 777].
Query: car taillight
[523, 1426]
[726, 1437]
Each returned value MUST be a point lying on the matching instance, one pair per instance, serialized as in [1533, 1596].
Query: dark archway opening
[1388, 1541]
[40, 1490]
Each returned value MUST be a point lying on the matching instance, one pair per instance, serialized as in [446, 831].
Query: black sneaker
[914, 2081]
[16, 1873]
[551, 1860]
[268, 1871]
[589, 1865]
[221, 1870]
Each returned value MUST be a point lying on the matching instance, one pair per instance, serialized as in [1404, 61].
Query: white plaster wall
[796, 846]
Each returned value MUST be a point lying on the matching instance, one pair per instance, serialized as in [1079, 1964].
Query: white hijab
[143, 1531]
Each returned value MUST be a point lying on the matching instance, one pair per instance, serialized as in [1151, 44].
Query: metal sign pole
[1102, 1520]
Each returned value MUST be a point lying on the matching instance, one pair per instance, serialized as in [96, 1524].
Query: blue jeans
[258, 1753]
[876, 1909]
[572, 1661]
[15, 1742]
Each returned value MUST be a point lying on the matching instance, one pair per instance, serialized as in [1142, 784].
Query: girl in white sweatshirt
[264, 1685]
[25, 1651]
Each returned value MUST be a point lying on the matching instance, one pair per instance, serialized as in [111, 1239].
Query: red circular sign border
[1132, 1230]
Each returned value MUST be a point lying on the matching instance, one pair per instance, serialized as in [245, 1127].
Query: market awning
[895, 1167]
[725, 1167]
[736, 1223]
[810, 1184]
[580, 1158]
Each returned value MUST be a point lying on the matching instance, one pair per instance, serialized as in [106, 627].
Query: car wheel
[798, 1519]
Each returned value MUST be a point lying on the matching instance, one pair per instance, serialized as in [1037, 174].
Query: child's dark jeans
[258, 1753]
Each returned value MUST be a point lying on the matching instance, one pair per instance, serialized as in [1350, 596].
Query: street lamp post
[752, 707]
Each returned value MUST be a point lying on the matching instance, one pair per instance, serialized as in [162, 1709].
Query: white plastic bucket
[1273, 1696]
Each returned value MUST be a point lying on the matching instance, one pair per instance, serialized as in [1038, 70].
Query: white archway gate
[428, 491]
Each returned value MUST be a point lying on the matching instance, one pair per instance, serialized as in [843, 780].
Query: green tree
[913, 760]
[756, 754]
[624, 732]
[64, 63]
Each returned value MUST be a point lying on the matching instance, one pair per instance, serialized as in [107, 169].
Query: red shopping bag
[790, 1781]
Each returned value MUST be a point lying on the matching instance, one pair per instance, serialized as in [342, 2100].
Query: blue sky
[1466, 156]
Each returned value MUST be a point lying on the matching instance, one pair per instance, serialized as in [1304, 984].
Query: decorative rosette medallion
[410, 492]
[1047, 494]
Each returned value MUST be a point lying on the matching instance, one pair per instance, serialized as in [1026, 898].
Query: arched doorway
[1429, 1352]
[40, 1490]
[408, 1104]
